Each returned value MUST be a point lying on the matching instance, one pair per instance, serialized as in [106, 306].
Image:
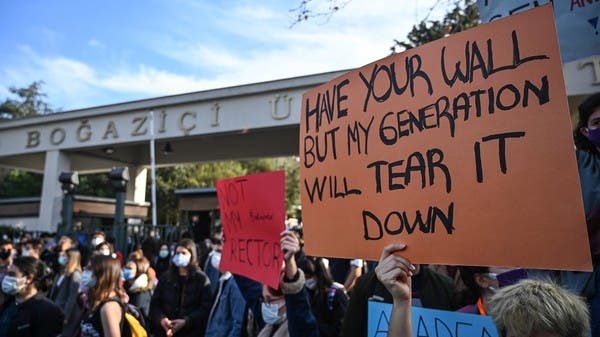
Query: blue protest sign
[577, 22]
[431, 323]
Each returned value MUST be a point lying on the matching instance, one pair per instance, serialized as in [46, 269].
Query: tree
[97, 184]
[168, 179]
[19, 183]
[461, 17]
[30, 102]
[308, 9]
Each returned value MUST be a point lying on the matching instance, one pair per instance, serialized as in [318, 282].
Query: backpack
[135, 325]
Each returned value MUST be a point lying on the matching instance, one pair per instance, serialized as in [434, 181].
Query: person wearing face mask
[26, 312]
[105, 315]
[7, 252]
[50, 257]
[587, 143]
[182, 299]
[226, 318]
[211, 265]
[97, 238]
[328, 299]
[65, 291]
[287, 311]
[32, 247]
[481, 284]
[139, 281]
[162, 260]
[529, 308]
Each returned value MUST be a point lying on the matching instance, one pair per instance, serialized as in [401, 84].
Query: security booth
[88, 213]
[200, 209]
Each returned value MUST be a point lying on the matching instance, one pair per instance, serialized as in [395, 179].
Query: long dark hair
[471, 294]
[585, 111]
[314, 266]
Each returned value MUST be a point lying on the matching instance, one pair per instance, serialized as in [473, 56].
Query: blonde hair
[74, 261]
[535, 306]
[141, 262]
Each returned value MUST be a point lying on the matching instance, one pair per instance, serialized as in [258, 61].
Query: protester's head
[164, 251]
[103, 248]
[216, 239]
[185, 255]
[32, 247]
[97, 238]
[273, 305]
[137, 264]
[24, 276]
[7, 250]
[316, 273]
[106, 271]
[64, 243]
[587, 133]
[71, 260]
[477, 279]
[538, 309]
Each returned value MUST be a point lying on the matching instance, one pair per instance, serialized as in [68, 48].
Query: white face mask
[25, 252]
[96, 241]
[270, 312]
[311, 284]
[13, 285]
[105, 252]
[181, 260]
[216, 260]
[87, 279]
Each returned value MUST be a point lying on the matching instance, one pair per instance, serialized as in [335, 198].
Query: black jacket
[36, 317]
[188, 298]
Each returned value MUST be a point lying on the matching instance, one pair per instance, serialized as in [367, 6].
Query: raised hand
[395, 273]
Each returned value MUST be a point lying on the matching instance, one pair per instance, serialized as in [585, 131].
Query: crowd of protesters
[66, 287]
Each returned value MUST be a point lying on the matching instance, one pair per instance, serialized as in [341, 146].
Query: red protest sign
[253, 215]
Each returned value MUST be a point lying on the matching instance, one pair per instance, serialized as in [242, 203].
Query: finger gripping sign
[431, 323]
[461, 149]
[253, 214]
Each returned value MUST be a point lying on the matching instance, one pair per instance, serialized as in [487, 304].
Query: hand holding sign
[290, 246]
[395, 273]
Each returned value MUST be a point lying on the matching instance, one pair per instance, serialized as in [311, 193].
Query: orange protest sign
[461, 149]
[252, 210]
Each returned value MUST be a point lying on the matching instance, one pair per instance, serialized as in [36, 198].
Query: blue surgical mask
[128, 274]
[62, 260]
[181, 260]
[87, 279]
[12, 285]
[270, 313]
[164, 253]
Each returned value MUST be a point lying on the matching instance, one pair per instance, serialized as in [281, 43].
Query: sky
[91, 53]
